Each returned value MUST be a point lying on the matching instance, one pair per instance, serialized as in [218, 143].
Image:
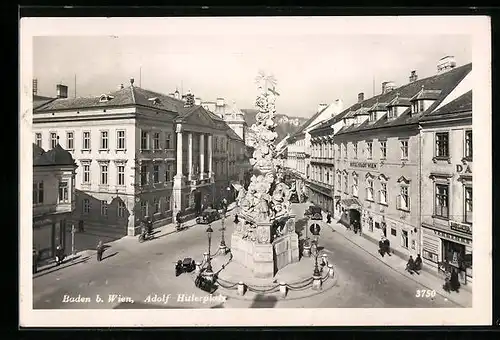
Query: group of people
[414, 266]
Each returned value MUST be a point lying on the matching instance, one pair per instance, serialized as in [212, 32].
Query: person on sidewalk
[100, 251]
[35, 260]
[410, 265]
[149, 225]
[387, 246]
[418, 263]
[381, 246]
[328, 218]
[236, 220]
[454, 282]
[178, 220]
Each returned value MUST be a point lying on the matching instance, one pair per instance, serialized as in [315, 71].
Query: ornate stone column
[190, 155]
[202, 156]
[209, 141]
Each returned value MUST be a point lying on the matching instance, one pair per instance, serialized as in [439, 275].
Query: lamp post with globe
[209, 270]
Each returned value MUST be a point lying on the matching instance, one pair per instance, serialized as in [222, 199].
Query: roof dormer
[423, 100]
[105, 98]
[361, 115]
[155, 100]
[377, 111]
[397, 106]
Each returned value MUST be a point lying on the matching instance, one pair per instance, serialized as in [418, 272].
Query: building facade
[139, 153]
[300, 149]
[378, 162]
[447, 170]
[53, 199]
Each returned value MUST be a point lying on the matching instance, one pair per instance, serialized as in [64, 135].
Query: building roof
[308, 122]
[55, 156]
[233, 135]
[399, 101]
[462, 104]
[41, 100]
[131, 95]
[426, 95]
[444, 82]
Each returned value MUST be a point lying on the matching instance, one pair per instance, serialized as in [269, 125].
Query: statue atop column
[267, 196]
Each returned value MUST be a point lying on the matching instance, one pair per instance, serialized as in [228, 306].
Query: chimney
[361, 97]
[321, 107]
[131, 81]
[220, 102]
[120, 87]
[388, 86]
[177, 95]
[35, 87]
[446, 64]
[413, 76]
[197, 101]
[62, 91]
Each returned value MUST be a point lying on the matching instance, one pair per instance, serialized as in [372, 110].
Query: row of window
[63, 192]
[145, 208]
[442, 197]
[442, 147]
[402, 201]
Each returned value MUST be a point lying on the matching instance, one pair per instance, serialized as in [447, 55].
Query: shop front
[351, 212]
[447, 251]
[48, 233]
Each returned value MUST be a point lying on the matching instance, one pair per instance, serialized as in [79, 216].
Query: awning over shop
[350, 203]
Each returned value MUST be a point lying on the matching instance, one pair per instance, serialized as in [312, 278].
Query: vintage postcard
[211, 170]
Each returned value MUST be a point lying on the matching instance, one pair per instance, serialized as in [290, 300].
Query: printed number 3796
[425, 293]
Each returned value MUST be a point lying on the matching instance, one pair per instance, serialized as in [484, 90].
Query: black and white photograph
[188, 171]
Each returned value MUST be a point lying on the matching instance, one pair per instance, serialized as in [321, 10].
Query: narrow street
[133, 271]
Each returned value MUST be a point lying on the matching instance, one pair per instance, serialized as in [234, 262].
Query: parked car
[208, 216]
[314, 213]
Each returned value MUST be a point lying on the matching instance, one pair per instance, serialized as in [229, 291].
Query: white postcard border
[478, 27]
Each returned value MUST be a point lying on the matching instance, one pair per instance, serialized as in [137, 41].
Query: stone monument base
[265, 260]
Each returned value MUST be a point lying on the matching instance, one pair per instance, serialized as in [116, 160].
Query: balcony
[322, 160]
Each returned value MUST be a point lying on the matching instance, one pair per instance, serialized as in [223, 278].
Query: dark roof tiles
[444, 82]
[461, 104]
[55, 156]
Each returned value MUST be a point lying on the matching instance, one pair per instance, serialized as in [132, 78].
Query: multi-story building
[53, 199]
[140, 153]
[299, 148]
[447, 187]
[377, 157]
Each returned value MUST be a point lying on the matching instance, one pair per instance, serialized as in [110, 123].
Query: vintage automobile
[208, 216]
[184, 266]
[314, 213]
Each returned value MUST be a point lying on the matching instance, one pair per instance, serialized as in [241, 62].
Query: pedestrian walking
[454, 282]
[35, 260]
[328, 218]
[100, 250]
[418, 263]
[387, 246]
[381, 246]
[410, 266]
[236, 220]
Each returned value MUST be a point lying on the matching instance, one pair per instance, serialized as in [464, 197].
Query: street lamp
[209, 234]
[315, 229]
[223, 241]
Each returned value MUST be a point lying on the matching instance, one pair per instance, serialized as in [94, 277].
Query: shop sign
[42, 222]
[464, 228]
[465, 169]
[451, 237]
[368, 165]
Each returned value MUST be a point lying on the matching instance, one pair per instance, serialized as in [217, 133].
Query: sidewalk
[426, 279]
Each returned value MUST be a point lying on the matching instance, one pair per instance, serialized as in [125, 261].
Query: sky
[310, 68]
